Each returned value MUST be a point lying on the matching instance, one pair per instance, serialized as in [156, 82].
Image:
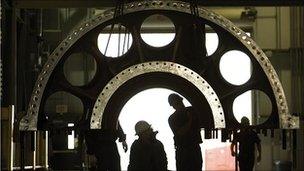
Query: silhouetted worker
[184, 124]
[101, 144]
[147, 153]
[247, 139]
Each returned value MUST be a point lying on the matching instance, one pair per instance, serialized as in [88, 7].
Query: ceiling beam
[110, 3]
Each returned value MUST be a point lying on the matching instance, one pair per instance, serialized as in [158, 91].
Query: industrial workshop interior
[103, 85]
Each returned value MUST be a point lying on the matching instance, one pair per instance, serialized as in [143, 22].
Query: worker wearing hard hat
[147, 153]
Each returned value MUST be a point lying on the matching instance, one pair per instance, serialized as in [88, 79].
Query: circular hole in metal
[235, 67]
[253, 104]
[157, 30]
[211, 41]
[62, 107]
[114, 41]
[79, 69]
[35, 98]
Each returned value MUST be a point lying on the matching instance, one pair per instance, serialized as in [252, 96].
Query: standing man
[147, 153]
[184, 123]
[101, 143]
[247, 139]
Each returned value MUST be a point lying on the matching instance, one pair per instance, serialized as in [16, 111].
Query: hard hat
[141, 126]
[173, 98]
[245, 121]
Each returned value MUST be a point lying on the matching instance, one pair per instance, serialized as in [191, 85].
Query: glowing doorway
[152, 106]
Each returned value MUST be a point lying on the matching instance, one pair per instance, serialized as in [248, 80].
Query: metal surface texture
[163, 67]
[263, 78]
[111, 3]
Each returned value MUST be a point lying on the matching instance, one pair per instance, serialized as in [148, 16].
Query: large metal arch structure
[158, 67]
[263, 77]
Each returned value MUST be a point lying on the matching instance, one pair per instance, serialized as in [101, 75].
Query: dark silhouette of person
[247, 139]
[101, 143]
[184, 123]
[147, 153]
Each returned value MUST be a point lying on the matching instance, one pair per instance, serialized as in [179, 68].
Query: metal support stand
[22, 150]
[11, 144]
[46, 162]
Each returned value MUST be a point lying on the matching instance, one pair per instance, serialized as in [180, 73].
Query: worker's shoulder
[158, 143]
[173, 115]
[189, 108]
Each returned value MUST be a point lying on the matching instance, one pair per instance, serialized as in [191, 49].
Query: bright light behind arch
[114, 45]
[212, 41]
[158, 39]
[152, 106]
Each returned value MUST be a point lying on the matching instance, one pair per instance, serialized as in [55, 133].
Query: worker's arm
[257, 141]
[134, 157]
[122, 138]
[259, 156]
[232, 148]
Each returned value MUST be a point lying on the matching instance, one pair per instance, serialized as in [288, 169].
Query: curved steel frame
[29, 122]
[157, 66]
